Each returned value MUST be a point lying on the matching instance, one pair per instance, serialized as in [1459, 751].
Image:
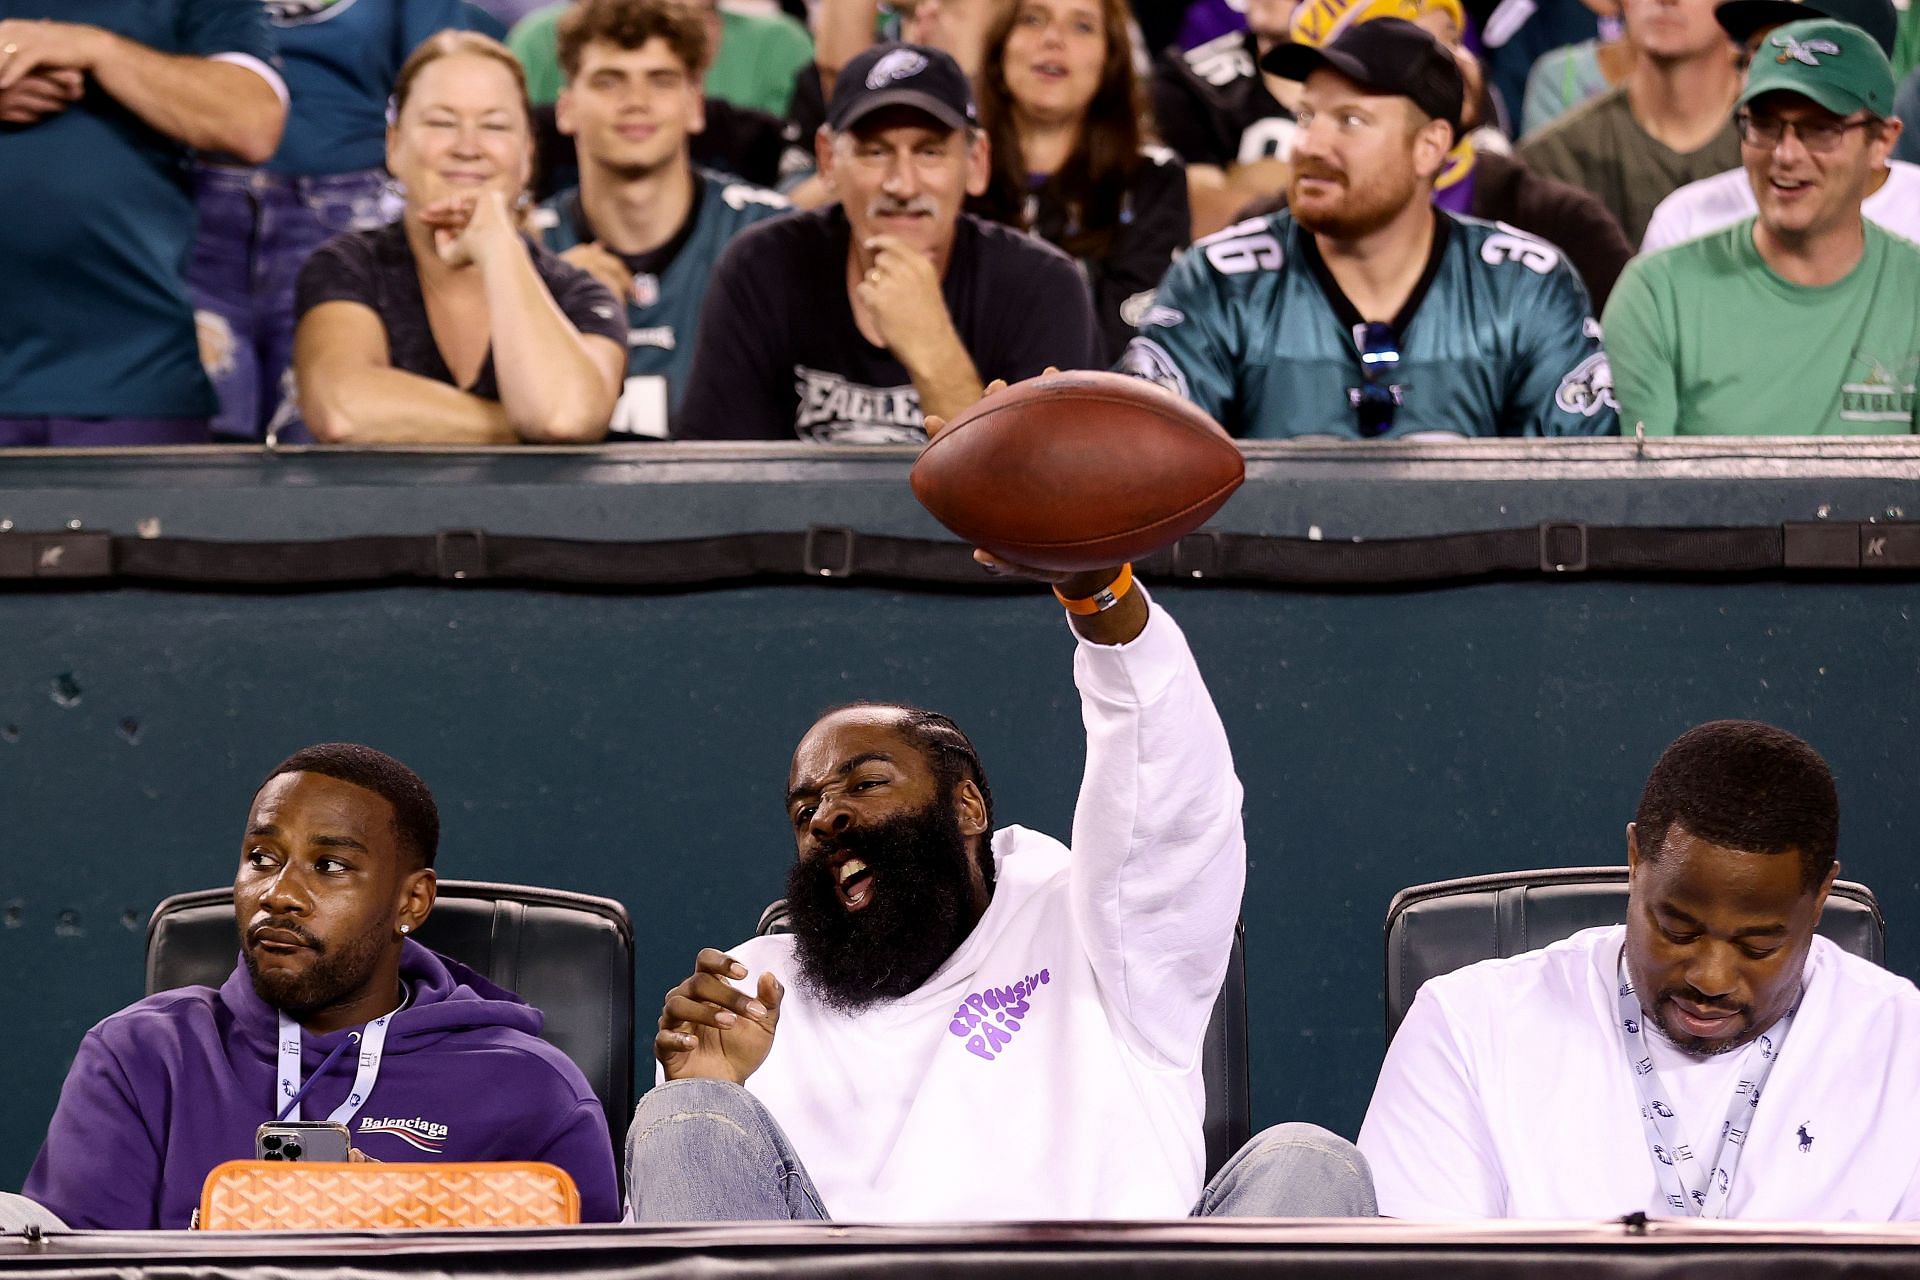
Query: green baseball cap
[1835, 64]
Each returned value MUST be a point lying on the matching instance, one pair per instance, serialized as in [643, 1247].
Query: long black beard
[922, 910]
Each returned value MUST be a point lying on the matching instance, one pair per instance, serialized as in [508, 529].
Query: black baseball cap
[1386, 55]
[901, 75]
[1741, 18]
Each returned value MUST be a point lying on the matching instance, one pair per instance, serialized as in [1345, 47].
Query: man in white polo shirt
[1711, 1057]
[1703, 207]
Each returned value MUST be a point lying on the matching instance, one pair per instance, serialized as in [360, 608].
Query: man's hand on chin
[901, 290]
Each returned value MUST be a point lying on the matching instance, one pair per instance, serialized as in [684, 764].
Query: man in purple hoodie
[334, 1013]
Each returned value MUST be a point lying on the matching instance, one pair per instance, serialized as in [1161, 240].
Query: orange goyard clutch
[273, 1195]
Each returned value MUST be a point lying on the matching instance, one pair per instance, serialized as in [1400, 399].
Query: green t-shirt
[1705, 339]
[759, 57]
[1601, 147]
[1559, 82]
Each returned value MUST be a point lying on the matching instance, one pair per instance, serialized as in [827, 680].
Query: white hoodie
[1051, 1067]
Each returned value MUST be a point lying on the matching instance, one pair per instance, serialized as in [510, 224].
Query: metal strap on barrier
[1557, 550]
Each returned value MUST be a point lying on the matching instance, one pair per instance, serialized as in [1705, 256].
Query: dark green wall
[636, 747]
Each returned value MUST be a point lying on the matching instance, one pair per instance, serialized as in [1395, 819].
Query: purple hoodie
[166, 1089]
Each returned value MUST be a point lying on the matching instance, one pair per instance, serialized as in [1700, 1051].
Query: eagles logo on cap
[1808, 53]
[901, 75]
[292, 13]
[897, 65]
[1833, 64]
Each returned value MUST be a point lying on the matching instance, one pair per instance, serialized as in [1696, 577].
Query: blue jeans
[257, 230]
[17, 1214]
[707, 1151]
[73, 433]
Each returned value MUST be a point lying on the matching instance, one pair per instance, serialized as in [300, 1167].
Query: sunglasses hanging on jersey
[1376, 398]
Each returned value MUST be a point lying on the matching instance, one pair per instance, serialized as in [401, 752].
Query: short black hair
[1747, 786]
[948, 750]
[416, 819]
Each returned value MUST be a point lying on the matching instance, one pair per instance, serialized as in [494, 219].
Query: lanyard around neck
[372, 1040]
[1693, 1185]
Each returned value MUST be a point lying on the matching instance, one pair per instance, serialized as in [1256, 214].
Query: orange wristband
[1103, 599]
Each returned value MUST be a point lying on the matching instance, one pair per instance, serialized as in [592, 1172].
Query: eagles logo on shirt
[1145, 358]
[1879, 390]
[834, 410]
[293, 13]
[1588, 388]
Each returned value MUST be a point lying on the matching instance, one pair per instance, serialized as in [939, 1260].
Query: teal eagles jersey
[663, 305]
[341, 59]
[1498, 338]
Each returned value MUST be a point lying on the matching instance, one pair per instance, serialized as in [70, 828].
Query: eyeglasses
[1818, 136]
[1378, 397]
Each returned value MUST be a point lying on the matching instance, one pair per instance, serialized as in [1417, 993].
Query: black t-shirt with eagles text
[779, 355]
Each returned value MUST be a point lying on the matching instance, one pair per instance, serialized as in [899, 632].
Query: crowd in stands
[369, 221]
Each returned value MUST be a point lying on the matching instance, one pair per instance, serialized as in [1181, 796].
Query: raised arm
[1159, 853]
[231, 104]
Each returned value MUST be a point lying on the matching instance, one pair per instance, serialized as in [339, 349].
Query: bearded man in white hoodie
[971, 1025]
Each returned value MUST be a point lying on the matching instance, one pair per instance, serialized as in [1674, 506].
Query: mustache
[1693, 998]
[888, 205]
[1313, 169]
[293, 927]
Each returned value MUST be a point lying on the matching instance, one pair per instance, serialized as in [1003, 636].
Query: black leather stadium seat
[1229, 1121]
[1436, 928]
[567, 954]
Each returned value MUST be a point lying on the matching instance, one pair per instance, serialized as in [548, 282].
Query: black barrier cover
[1555, 548]
[1149, 1251]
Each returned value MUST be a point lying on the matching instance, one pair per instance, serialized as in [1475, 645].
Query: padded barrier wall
[633, 743]
[1201, 1250]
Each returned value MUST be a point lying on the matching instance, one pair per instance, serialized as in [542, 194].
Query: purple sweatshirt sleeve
[581, 1146]
[100, 1165]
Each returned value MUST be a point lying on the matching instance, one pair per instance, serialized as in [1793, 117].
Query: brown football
[1075, 471]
